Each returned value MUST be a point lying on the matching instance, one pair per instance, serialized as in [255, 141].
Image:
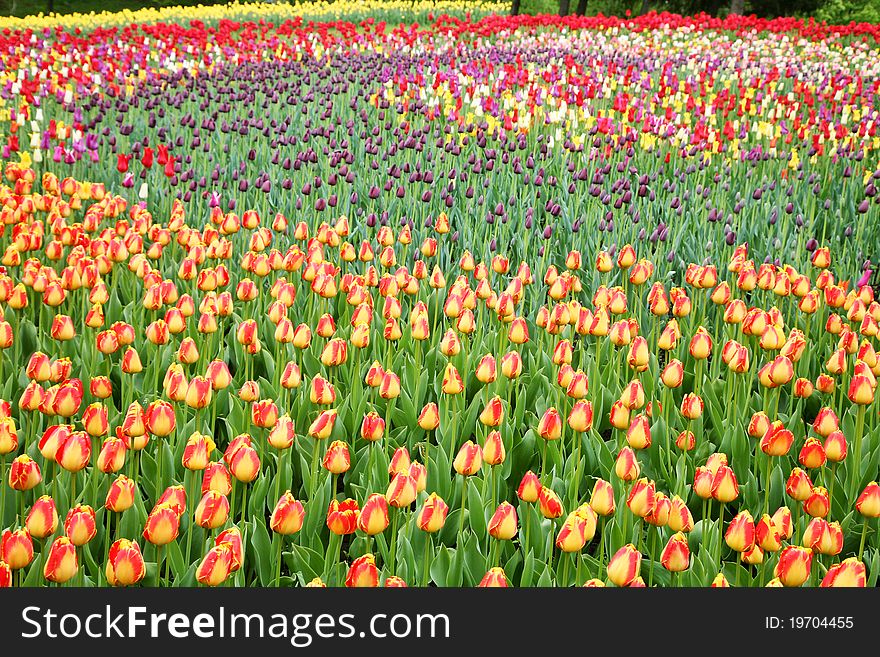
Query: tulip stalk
[864, 536]
[279, 549]
[426, 565]
[395, 516]
[464, 480]
[3, 489]
[855, 480]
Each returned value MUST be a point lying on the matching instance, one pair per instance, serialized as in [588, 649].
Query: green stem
[278, 553]
[463, 503]
[429, 549]
[314, 473]
[857, 445]
[864, 535]
[395, 515]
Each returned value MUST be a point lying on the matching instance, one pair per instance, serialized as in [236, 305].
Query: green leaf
[264, 558]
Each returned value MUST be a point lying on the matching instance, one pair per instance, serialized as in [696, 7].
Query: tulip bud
[638, 436]
[550, 425]
[529, 488]
[342, 517]
[493, 449]
[676, 555]
[163, 524]
[429, 418]
[120, 496]
[16, 548]
[125, 563]
[627, 466]
[793, 567]
[363, 572]
[725, 487]
[817, 504]
[848, 573]
[42, 520]
[624, 566]
[503, 524]
[549, 503]
[80, 526]
[432, 515]
[287, 516]
[61, 563]
[868, 502]
[469, 459]
[24, 474]
[572, 534]
[212, 510]
[216, 566]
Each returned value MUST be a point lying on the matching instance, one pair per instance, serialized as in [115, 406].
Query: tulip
[199, 393]
[24, 474]
[602, 498]
[725, 487]
[580, 418]
[373, 518]
[680, 518]
[163, 524]
[493, 412]
[848, 573]
[835, 447]
[638, 436]
[16, 548]
[120, 496]
[626, 466]
[212, 510]
[777, 440]
[619, 416]
[244, 464]
[363, 572]
[740, 535]
[469, 459]
[75, 452]
[287, 516]
[401, 490]
[62, 562]
[641, 498]
[812, 454]
[197, 452]
[125, 563]
[676, 555]
[549, 503]
[550, 425]
[216, 566]
[80, 526]
[337, 459]
[624, 566]
[159, 418]
[793, 567]
[429, 417]
[798, 486]
[494, 578]
[342, 517]
[529, 488]
[503, 524]
[868, 502]
[432, 515]
[817, 504]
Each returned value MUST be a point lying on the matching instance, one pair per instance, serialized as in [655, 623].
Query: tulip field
[424, 294]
